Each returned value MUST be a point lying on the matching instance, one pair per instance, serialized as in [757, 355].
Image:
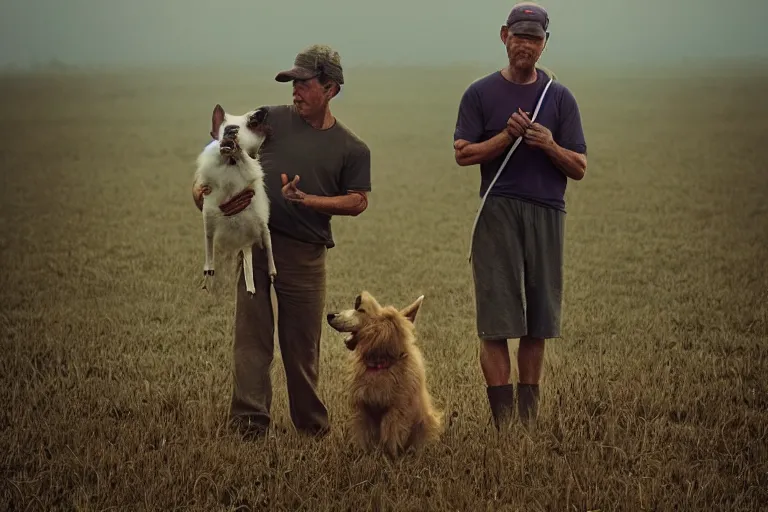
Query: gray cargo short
[517, 265]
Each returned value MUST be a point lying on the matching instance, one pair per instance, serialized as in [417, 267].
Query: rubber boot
[250, 428]
[527, 403]
[502, 402]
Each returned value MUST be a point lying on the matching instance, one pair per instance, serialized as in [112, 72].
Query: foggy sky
[136, 32]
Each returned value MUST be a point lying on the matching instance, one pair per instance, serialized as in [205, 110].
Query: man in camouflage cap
[315, 61]
[334, 168]
[317, 77]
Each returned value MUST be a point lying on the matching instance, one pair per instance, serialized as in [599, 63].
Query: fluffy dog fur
[224, 168]
[391, 406]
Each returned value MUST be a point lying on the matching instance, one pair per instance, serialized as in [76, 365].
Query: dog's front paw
[272, 275]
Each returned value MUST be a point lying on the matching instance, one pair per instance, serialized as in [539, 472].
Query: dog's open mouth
[350, 342]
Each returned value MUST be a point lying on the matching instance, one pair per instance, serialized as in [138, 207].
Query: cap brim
[295, 73]
[529, 28]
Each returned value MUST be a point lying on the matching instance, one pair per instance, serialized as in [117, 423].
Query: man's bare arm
[352, 204]
[572, 164]
[471, 154]
[467, 153]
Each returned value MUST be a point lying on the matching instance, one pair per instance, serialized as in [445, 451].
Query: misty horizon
[85, 33]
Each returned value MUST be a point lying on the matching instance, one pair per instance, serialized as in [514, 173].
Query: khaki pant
[300, 291]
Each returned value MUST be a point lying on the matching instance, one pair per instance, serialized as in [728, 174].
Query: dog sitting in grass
[391, 406]
[227, 166]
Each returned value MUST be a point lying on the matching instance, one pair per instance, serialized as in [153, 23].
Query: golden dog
[391, 407]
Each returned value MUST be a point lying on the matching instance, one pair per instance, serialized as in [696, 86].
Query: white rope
[501, 168]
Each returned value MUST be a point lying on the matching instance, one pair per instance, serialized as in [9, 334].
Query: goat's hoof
[207, 280]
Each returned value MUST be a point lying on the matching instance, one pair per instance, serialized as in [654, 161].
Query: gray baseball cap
[312, 62]
[529, 19]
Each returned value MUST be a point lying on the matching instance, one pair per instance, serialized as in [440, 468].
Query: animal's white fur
[226, 172]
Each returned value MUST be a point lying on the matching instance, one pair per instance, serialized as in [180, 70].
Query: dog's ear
[410, 311]
[216, 119]
[368, 302]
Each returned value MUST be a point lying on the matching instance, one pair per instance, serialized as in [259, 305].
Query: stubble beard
[522, 65]
[521, 60]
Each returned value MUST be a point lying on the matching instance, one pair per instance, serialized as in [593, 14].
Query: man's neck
[520, 76]
[323, 121]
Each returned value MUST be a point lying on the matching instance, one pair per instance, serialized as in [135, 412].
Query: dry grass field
[115, 366]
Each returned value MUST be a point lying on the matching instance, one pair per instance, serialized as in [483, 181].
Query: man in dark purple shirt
[517, 250]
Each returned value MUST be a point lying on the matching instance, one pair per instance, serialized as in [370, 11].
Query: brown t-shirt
[329, 163]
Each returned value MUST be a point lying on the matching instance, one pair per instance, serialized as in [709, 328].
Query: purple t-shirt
[529, 174]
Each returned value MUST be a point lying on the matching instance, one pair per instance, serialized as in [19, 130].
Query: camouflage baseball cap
[312, 62]
[528, 18]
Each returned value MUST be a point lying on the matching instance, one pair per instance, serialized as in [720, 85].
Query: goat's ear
[410, 311]
[216, 119]
[260, 115]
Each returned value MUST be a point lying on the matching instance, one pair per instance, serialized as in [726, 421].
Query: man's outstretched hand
[290, 191]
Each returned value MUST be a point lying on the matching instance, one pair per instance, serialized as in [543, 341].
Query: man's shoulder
[482, 90]
[562, 92]
[278, 111]
[353, 142]
[483, 82]
[278, 107]
[556, 88]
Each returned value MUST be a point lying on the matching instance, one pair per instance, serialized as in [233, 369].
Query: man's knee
[531, 348]
[493, 347]
[491, 350]
[494, 360]
[530, 359]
